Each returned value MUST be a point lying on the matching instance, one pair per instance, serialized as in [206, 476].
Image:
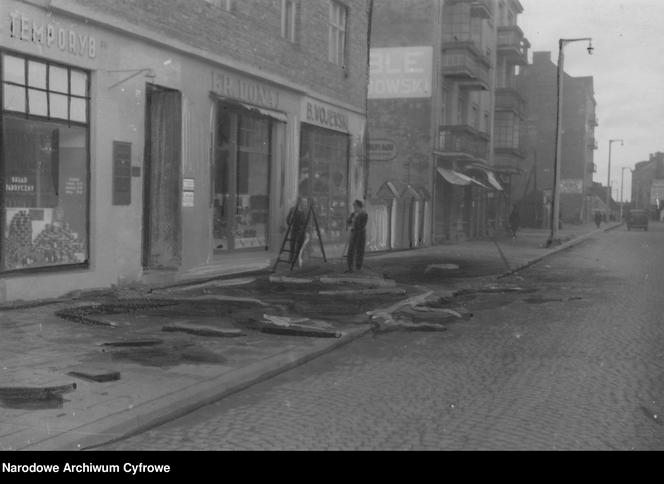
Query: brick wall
[251, 33]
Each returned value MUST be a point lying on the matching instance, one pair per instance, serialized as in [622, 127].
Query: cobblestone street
[579, 364]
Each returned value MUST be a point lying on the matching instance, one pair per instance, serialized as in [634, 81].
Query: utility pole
[555, 192]
[608, 179]
[622, 184]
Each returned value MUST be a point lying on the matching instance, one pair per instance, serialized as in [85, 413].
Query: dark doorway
[162, 225]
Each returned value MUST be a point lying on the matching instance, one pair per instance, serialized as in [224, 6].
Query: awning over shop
[493, 181]
[456, 178]
[279, 116]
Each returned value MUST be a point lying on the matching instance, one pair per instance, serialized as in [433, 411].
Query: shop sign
[245, 90]
[51, 35]
[656, 192]
[571, 185]
[19, 184]
[400, 72]
[187, 199]
[326, 117]
[188, 184]
[382, 150]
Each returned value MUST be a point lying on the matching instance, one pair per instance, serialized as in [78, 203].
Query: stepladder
[297, 236]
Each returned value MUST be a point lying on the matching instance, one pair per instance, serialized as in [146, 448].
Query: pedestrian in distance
[598, 219]
[357, 226]
[297, 219]
[515, 221]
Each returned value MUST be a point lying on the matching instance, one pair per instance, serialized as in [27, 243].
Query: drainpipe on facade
[366, 102]
[436, 105]
[492, 103]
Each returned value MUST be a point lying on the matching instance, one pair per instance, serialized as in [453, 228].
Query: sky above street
[627, 65]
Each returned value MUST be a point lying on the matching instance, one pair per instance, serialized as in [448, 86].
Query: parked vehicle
[637, 219]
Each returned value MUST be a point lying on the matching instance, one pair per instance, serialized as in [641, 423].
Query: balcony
[481, 9]
[463, 141]
[513, 45]
[463, 62]
[592, 143]
[592, 167]
[509, 99]
[593, 121]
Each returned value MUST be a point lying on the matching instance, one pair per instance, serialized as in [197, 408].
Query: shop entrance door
[162, 178]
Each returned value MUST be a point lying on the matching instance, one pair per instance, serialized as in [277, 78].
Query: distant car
[637, 219]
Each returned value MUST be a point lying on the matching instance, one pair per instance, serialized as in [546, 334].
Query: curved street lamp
[555, 213]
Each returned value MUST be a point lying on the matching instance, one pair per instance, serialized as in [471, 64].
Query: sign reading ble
[400, 72]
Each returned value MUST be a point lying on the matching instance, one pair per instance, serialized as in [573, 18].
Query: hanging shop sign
[571, 185]
[400, 72]
[246, 90]
[382, 150]
[51, 35]
[325, 116]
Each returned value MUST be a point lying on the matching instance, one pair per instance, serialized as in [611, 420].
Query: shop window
[44, 163]
[241, 179]
[324, 178]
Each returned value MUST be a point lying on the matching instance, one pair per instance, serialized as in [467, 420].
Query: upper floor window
[288, 17]
[337, 33]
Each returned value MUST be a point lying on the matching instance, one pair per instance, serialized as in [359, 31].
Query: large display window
[241, 179]
[324, 178]
[44, 164]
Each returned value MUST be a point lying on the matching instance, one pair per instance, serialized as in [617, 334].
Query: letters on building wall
[51, 35]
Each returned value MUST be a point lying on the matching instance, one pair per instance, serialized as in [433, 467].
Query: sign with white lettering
[19, 184]
[571, 185]
[382, 150]
[245, 90]
[187, 199]
[51, 35]
[400, 72]
[188, 184]
[325, 116]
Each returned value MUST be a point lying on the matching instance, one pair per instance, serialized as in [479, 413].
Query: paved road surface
[579, 364]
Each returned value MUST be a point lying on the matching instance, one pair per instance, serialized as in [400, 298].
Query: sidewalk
[117, 364]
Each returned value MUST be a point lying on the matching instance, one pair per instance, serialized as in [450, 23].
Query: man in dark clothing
[357, 224]
[298, 218]
[598, 219]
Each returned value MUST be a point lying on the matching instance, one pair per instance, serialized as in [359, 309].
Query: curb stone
[560, 248]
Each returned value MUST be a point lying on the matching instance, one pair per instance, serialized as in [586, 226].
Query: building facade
[648, 184]
[161, 140]
[532, 188]
[434, 69]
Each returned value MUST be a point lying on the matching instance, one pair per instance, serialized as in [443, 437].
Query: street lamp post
[555, 192]
[622, 184]
[608, 179]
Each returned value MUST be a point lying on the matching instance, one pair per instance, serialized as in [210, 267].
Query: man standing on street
[297, 219]
[357, 224]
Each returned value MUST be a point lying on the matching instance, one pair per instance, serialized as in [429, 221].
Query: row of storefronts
[125, 158]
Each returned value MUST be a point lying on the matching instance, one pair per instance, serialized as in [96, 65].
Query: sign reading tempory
[400, 72]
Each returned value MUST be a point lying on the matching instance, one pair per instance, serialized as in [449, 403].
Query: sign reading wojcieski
[400, 72]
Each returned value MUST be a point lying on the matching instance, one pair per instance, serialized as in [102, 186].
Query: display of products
[19, 241]
[55, 244]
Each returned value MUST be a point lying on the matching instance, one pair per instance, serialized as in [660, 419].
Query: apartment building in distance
[431, 107]
[161, 140]
[532, 189]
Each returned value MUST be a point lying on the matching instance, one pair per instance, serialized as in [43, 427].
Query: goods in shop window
[19, 241]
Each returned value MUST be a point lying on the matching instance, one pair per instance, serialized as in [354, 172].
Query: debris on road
[365, 292]
[289, 280]
[203, 330]
[99, 375]
[359, 280]
[440, 267]
[209, 284]
[140, 342]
